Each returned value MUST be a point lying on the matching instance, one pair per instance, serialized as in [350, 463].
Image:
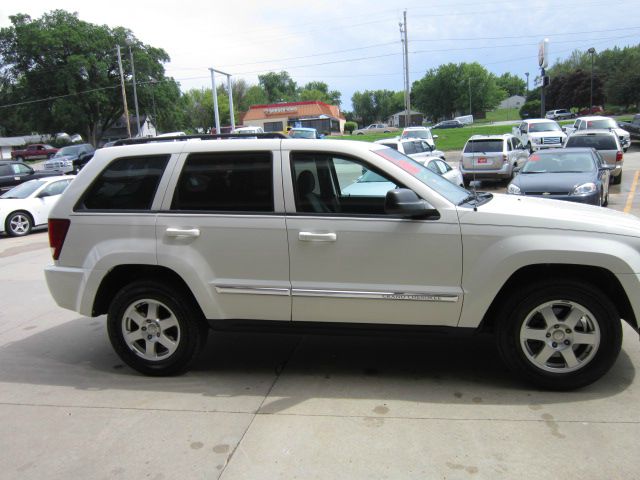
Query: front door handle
[317, 237]
[182, 232]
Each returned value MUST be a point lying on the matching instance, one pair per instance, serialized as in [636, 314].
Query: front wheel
[18, 224]
[530, 148]
[559, 335]
[155, 329]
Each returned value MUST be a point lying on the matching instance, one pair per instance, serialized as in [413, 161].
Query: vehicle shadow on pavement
[295, 368]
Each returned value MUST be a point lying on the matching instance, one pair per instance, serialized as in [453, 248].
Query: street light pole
[592, 51]
[470, 111]
[527, 75]
[124, 92]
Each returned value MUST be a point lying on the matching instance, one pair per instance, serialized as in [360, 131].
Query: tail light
[58, 229]
[619, 156]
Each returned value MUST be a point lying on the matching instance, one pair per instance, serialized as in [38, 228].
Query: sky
[354, 45]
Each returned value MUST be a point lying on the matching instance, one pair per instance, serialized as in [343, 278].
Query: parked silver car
[596, 122]
[491, 157]
[375, 128]
[604, 141]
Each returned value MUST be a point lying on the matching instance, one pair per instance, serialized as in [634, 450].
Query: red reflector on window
[58, 229]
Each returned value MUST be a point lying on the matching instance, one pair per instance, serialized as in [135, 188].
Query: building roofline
[291, 104]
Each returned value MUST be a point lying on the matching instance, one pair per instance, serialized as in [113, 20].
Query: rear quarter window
[125, 184]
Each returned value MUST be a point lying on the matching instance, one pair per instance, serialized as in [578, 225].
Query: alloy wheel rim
[560, 336]
[151, 330]
[19, 224]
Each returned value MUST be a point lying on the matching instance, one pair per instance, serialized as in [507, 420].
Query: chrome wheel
[18, 224]
[560, 336]
[150, 329]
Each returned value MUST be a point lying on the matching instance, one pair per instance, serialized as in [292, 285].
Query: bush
[530, 109]
[350, 127]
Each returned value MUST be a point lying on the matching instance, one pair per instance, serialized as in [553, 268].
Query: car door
[47, 198]
[351, 262]
[223, 230]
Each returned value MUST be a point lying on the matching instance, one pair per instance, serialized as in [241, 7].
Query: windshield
[439, 184]
[302, 134]
[426, 134]
[488, 145]
[544, 127]
[71, 150]
[24, 189]
[604, 123]
[559, 162]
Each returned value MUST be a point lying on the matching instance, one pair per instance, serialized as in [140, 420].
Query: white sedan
[27, 205]
[439, 166]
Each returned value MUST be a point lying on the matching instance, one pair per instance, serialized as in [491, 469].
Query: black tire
[601, 322]
[605, 202]
[18, 224]
[51, 155]
[132, 304]
[19, 159]
[616, 180]
[529, 148]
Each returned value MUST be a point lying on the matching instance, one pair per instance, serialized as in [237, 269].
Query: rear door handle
[182, 232]
[317, 237]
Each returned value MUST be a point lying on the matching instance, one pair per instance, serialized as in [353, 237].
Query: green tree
[320, 91]
[448, 90]
[376, 105]
[74, 64]
[512, 84]
[279, 87]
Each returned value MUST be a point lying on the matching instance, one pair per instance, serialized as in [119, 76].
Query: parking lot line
[632, 193]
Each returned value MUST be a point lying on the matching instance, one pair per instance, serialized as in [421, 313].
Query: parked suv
[491, 157]
[171, 238]
[606, 143]
[560, 114]
[539, 133]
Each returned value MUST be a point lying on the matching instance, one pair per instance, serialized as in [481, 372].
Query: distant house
[276, 117]
[118, 130]
[515, 101]
[398, 119]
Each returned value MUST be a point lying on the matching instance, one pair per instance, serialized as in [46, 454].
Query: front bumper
[590, 199]
[543, 146]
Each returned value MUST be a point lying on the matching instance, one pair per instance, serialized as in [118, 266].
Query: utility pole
[135, 91]
[124, 92]
[470, 110]
[405, 56]
[527, 75]
[592, 51]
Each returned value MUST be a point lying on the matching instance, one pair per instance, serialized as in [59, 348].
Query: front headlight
[584, 189]
[513, 189]
[536, 140]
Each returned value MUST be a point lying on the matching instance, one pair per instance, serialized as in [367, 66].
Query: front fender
[490, 260]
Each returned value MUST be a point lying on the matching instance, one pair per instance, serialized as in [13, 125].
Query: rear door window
[226, 182]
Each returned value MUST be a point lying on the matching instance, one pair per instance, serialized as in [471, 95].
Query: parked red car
[596, 109]
[34, 152]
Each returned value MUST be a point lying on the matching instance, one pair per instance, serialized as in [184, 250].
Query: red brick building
[313, 114]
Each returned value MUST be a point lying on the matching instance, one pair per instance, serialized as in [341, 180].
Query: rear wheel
[529, 147]
[616, 180]
[559, 335]
[18, 224]
[155, 328]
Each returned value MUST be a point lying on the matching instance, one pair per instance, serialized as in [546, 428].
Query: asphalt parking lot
[260, 406]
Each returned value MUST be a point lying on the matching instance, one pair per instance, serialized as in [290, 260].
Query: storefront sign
[272, 111]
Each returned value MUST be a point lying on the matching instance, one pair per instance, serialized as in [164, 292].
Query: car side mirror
[434, 136]
[44, 194]
[405, 203]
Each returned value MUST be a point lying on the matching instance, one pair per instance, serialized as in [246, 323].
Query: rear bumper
[504, 173]
[73, 288]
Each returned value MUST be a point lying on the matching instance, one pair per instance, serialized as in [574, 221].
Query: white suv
[171, 238]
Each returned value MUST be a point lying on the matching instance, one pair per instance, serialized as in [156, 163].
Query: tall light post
[135, 90]
[592, 51]
[470, 111]
[526, 74]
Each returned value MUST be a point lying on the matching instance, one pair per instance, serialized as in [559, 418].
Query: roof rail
[180, 138]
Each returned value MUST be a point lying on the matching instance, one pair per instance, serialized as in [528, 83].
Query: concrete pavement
[289, 406]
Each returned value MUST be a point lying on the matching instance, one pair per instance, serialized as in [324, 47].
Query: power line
[58, 96]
